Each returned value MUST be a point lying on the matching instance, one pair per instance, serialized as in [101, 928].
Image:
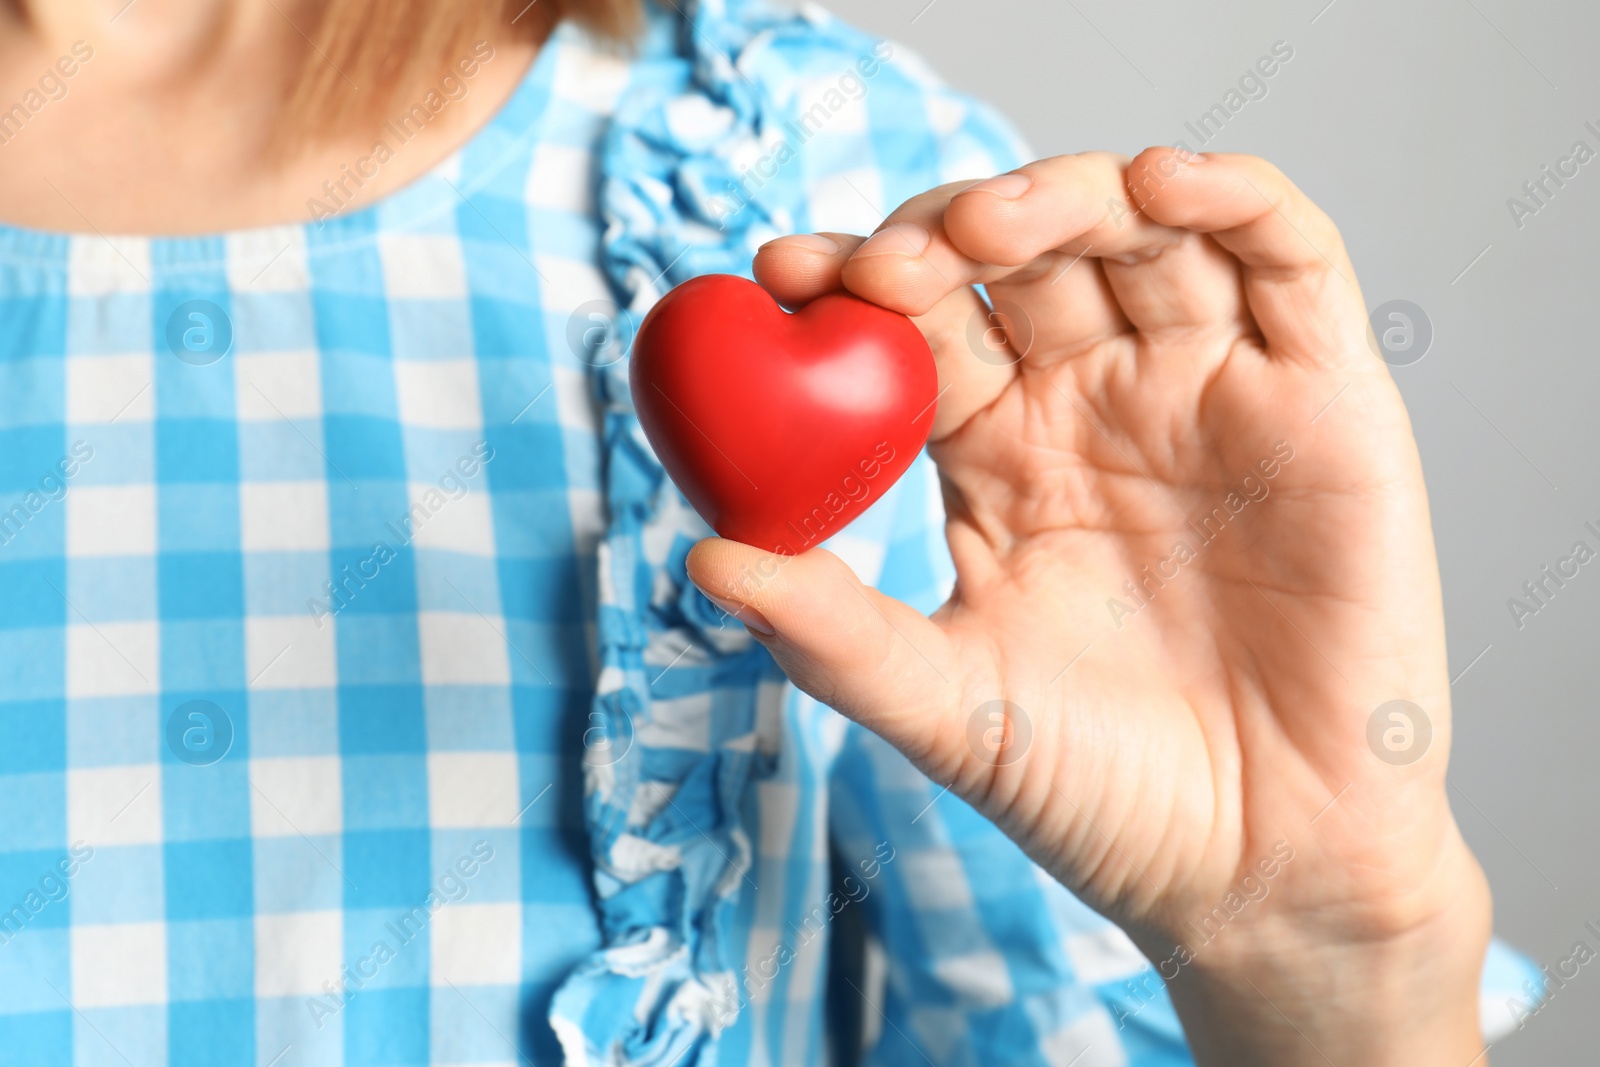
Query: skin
[1172, 341]
[166, 129]
[1212, 315]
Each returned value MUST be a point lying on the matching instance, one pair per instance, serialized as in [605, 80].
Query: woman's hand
[1194, 557]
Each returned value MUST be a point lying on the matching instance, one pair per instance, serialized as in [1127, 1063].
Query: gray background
[1411, 124]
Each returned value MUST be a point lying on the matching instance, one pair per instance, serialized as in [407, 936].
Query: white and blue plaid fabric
[355, 707]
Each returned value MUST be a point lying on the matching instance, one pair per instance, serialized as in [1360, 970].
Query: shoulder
[793, 99]
[865, 110]
[747, 119]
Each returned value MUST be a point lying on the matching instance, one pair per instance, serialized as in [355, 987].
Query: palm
[1167, 715]
[1195, 710]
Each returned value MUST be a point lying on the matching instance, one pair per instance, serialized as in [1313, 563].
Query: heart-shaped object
[780, 428]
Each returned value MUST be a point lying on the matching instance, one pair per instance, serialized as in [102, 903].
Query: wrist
[1395, 987]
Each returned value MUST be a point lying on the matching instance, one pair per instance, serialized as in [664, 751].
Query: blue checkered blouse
[355, 707]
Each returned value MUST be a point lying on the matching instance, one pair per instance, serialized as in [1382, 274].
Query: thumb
[873, 658]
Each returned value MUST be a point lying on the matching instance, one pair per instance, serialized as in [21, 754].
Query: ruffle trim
[686, 712]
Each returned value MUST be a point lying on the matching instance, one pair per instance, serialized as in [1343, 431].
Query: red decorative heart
[780, 428]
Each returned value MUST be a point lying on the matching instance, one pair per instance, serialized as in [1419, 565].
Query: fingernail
[752, 618]
[810, 242]
[901, 239]
[1005, 186]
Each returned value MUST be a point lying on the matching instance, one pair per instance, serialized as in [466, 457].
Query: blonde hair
[365, 52]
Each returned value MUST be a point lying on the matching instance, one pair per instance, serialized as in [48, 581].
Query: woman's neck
[159, 116]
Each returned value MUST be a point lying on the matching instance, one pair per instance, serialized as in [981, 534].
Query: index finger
[925, 248]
